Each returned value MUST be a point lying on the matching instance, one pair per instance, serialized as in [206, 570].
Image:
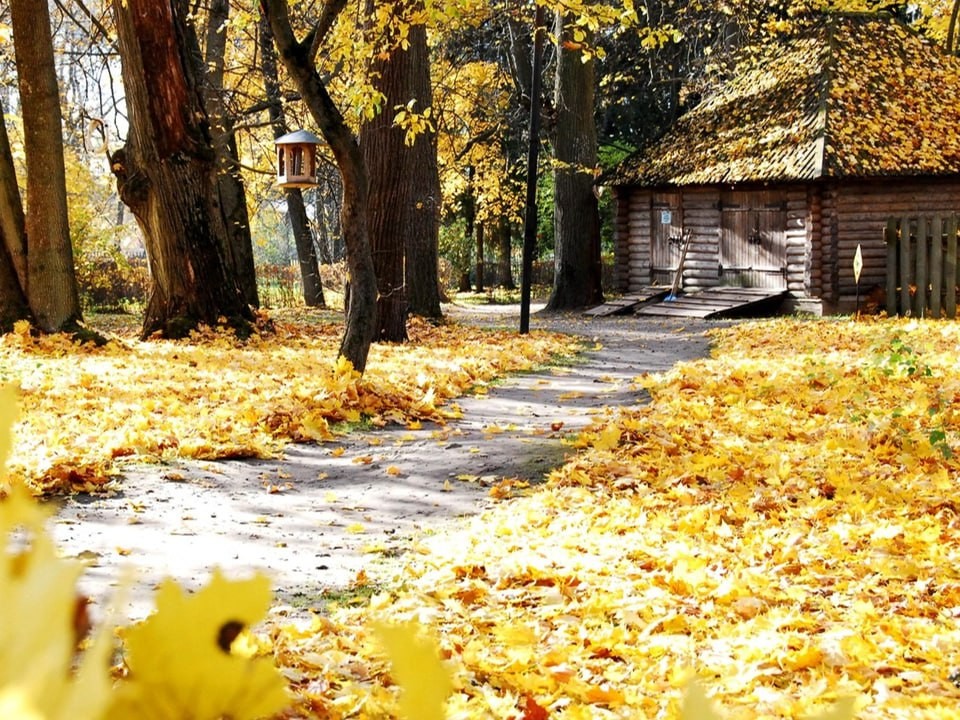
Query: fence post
[936, 265]
[950, 268]
[920, 294]
[890, 236]
[905, 266]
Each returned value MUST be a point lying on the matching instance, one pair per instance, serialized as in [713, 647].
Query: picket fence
[922, 266]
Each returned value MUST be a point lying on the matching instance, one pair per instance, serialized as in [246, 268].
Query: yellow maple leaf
[696, 704]
[417, 669]
[608, 438]
[37, 594]
[180, 661]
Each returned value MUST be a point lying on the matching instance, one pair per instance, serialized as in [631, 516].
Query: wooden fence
[922, 266]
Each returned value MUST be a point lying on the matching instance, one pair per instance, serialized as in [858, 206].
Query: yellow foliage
[417, 668]
[181, 663]
[87, 408]
[780, 521]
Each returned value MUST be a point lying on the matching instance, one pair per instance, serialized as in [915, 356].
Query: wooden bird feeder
[297, 159]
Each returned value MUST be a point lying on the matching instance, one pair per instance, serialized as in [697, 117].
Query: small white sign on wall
[666, 217]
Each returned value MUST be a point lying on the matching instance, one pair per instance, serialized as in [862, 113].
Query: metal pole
[533, 150]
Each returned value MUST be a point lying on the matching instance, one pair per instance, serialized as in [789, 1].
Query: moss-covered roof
[845, 96]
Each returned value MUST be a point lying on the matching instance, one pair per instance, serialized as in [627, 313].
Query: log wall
[824, 224]
[701, 215]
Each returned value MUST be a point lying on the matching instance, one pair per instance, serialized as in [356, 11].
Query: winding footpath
[325, 518]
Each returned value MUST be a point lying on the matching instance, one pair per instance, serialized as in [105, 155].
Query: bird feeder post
[297, 159]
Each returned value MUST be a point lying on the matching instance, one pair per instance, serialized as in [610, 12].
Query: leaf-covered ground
[84, 409]
[782, 521]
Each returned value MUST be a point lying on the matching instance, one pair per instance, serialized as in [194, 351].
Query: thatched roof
[850, 95]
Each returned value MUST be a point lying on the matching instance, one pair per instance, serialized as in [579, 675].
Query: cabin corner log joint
[779, 203]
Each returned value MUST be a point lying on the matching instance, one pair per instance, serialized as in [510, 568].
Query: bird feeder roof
[298, 137]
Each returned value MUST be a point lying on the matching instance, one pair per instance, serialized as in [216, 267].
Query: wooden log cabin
[818, 138]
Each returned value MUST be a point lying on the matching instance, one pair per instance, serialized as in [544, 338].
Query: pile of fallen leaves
[781, 522]
[212, 396]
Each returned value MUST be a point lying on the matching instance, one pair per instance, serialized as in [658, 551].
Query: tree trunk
[469, 205]
[297, 58]
[423, 176]
[13, 229]
[577, 278]
[296, 209]
[385, 154]
[481, 280]
[505, 274]
[233, 199]
[51, 286]
[13, 301]
[167, 173]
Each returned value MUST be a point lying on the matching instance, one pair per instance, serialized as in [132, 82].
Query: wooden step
[717, 302]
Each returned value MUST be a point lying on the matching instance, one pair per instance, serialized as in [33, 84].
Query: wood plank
[627, 303]
[905, 265]
[936, 265]
[714, 302]
[890, 235]
[920, 294]
[950, 269]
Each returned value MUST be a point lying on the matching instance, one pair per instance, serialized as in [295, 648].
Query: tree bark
[385, 153]
[481, 280]
[233, 199]
[505, 271]
[423, 175]
[296, 209]
[13, 228]
[167, 173]
[469, 225]
[577, 277]
[51, 287]
[362, 305]
[13, 300]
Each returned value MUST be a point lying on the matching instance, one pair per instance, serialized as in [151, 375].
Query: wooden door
[753, 243]
[666, 225]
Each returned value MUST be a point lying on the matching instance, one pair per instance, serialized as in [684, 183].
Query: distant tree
[167, 172]
[233, 198]
[296, 209]
[38, 251]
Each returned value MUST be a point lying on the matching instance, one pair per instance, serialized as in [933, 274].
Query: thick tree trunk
[51, 287]
[384, 152]
[233, 199]
[505, 274]
[13, 229]
[167, 173]
[296, 209]
[577, 279]
[382, 145]
[423, 176]
[362, 305]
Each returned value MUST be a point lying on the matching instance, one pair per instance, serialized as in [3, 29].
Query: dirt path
[317, 518]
